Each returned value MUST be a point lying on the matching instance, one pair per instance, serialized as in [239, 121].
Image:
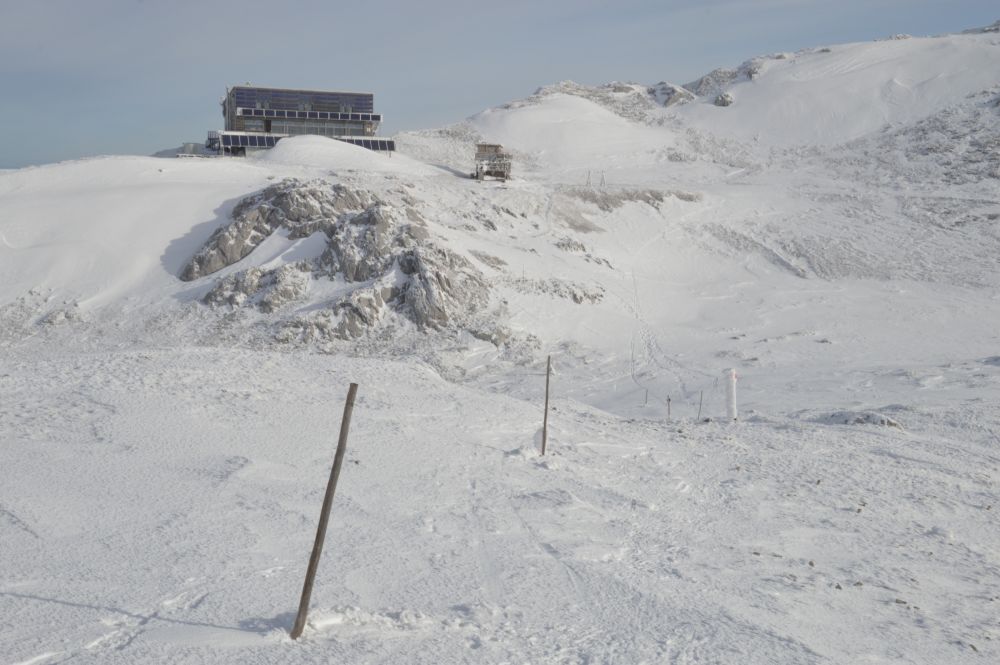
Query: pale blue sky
[87, 77]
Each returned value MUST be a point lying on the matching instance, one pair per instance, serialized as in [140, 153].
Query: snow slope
[103, 230]
[164, 444]
[567, 131]
[839, 93]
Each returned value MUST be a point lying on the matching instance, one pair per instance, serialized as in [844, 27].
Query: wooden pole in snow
[324, 515]
[545, 418]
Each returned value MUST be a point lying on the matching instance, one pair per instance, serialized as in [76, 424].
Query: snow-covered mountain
[177, 335]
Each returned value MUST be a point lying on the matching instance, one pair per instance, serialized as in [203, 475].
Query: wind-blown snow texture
[178, 336]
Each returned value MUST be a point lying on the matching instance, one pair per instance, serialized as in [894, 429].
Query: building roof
[268, 87]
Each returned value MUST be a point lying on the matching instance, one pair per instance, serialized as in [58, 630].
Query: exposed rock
[560, 288]
[713, 82]
[627, 100]
[858, 418]
[716, 82]
[494, 262]
[362, 246]
[993, 27]
[688, 197]
[608, 200]
[63, 315]
[724, 99]
[569, 245]
[383, 256]
[267, 290]
[301, 208]
[668, 94]
[441, 285]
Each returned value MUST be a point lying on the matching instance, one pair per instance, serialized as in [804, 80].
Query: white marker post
[730, 376]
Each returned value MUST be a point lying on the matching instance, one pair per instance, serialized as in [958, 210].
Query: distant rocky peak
[669, 94]
[628, 100]
[993, 27]
[717, 81]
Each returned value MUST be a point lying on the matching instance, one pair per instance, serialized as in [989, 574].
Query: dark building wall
[311, 101]
[300, 100]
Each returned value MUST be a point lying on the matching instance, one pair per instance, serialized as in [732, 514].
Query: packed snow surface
[178, 336]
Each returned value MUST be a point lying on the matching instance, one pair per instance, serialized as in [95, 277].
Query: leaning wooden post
[324, 515]
[545, 418]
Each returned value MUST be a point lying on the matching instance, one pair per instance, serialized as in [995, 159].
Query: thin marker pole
[324, 515]
[731, 413]
[545, 418]
[701, 398]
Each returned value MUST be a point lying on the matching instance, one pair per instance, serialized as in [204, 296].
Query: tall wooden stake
[668, 407]
[701, 398]
[545, 418]
[324, 515]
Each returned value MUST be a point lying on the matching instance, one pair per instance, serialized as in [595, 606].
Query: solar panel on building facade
[241, 140]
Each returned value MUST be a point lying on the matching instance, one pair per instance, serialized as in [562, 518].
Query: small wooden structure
[493, 161]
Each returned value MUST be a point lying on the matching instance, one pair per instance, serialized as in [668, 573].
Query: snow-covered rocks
[301, 208]
[68, 314]
[382, 259]
[993, 27]
[628, 100]
[559, 288]
[668, 94]
[724, 99]
[268, 290]
[859, 418]
[713, 82]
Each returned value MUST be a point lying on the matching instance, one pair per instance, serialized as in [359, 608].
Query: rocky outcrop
[361, 248]
[300, 208]
[608, 200]
[268, 290]
[628, 100]
[713, 82]
[559, 288]
[668, 94]
[381, 259]
[724, 99]
[993, 27]
[716, 82]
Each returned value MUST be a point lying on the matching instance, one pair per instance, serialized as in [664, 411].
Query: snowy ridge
[177, 336]
[836, 94]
